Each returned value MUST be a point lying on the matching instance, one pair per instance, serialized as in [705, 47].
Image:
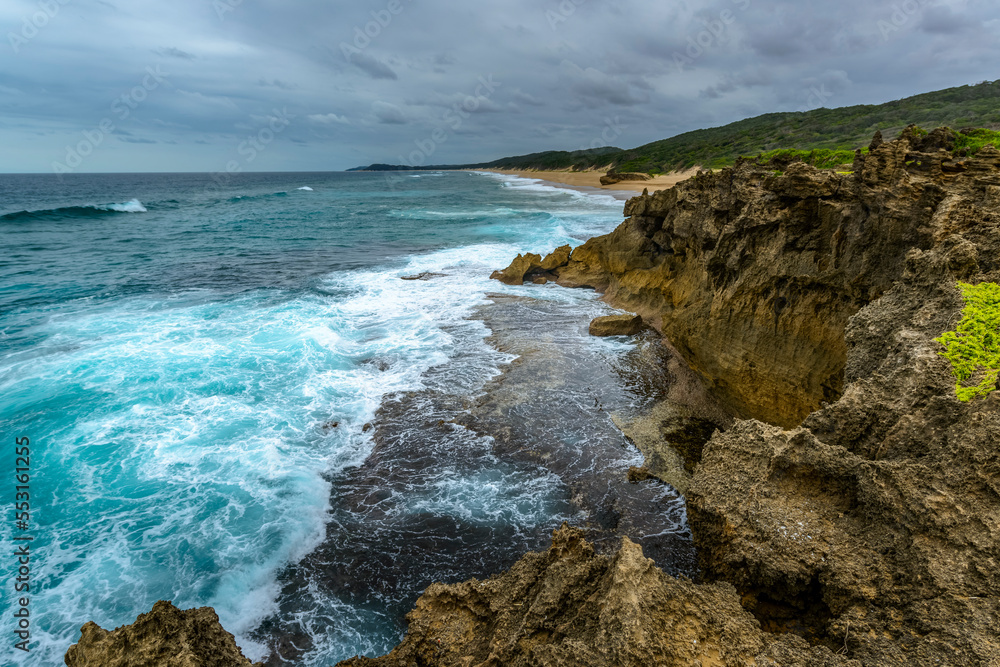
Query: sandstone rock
[616, 325]
[520, 268]
[572, 607]
[164, 637]
[540, 280]
[557, 258]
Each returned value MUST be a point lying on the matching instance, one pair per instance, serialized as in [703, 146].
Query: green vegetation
[826, 138]
[974, 347]
[972, 141]
[823, 158]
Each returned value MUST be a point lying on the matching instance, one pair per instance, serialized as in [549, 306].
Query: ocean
[226, 390]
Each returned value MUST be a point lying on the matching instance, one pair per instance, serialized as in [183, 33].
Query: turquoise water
[177, 352]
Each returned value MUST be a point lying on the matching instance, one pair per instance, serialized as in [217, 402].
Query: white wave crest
[131, 206]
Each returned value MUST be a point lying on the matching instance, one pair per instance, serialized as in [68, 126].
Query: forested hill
[825, 137]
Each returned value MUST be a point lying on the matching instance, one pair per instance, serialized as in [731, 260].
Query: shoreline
[577, 180]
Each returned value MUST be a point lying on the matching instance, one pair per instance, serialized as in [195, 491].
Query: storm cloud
[152, 86]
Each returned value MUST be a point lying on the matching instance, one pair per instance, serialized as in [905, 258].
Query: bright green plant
[974, 347]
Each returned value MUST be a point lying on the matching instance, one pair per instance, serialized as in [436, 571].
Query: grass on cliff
[974, 347]
[972, 141]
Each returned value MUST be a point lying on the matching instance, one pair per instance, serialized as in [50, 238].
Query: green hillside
[824, 137]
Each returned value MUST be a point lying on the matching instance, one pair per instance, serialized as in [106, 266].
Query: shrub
[974, 347]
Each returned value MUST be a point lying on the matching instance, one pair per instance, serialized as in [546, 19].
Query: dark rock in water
[571, 606]
[617, 325]
[518, 269]
[636, 475]
[540, 280]
[426, 275]
[164, 637]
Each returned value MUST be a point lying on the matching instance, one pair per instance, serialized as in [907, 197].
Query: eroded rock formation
[570, 606]
[164, 637]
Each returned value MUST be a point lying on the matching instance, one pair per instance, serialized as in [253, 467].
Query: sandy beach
[592, 179]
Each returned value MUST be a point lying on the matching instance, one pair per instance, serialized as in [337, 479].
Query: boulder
[616, 325]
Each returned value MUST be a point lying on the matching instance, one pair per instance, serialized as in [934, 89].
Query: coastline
[592, 179]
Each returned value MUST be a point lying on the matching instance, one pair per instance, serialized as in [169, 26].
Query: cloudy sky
[287, 85]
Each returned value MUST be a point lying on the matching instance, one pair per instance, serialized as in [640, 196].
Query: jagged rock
[572, 607]
[557, 258]
[520, 268]
[877, 141]
[776, 264]
[164, 637]
[616, 325]
[533, 267]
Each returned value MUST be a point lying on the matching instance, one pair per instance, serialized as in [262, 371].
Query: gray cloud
[172, 52]
[388, 114]
[376, 69]
[660, 68]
